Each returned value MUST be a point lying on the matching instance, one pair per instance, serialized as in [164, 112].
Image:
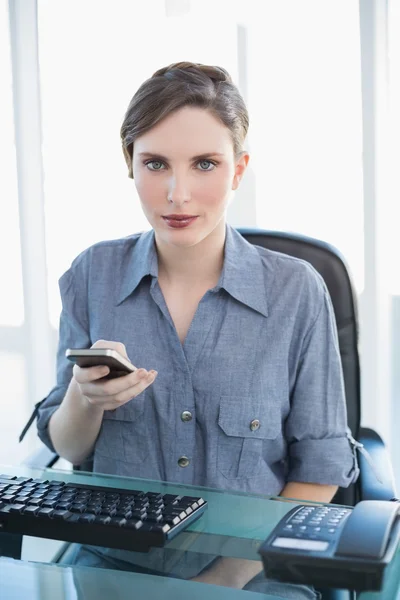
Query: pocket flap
[130, 411]
[249, 417]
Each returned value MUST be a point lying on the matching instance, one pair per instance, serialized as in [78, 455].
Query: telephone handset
[334, 546]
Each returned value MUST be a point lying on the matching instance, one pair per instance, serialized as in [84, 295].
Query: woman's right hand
[109, 394]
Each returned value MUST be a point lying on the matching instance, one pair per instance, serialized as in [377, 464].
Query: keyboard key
[31, 510]
[21, 499]
[171, 520]
[129, 499]
[17, 508]
[154, 517]
[154, 496]
[124, 514]
[86, 518]
[8, 497]
[78, 508]
[106, 512]
[61, 514]
[117, 522]
[63, 505]
[68, 498]
[74, 518]
[164, 528]
[94, 509]
[200, 501]
[154, 504]
[102, 519]
[112, 497]
[29, 489]
[175, 513]
[49, 503]
[134, 524]
[171, 498]
[45, 512]
[35, 501]
[53, 496]
[139, 514]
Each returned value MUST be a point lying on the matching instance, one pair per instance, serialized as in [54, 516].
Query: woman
[240, 383]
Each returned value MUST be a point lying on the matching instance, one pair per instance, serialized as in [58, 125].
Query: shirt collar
[243, 274]
[139, 261]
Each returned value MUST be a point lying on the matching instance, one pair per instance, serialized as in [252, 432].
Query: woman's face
[184, 170]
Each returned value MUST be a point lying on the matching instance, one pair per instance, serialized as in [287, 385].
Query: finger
[135, 390]
[124, 396]
[88, 374]
[112, 387]
[118, 346]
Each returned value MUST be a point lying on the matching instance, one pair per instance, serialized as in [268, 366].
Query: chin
[182, 239]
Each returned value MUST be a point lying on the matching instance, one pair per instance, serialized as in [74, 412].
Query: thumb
[118, 346]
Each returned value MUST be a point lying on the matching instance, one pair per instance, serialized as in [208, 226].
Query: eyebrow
[198, 157]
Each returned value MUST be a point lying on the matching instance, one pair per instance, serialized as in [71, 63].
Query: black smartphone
[95, 357]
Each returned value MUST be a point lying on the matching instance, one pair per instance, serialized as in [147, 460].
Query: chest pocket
[123, 434]
[245, 426]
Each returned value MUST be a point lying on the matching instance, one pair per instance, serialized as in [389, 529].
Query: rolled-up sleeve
[73, 333]
[319, 447]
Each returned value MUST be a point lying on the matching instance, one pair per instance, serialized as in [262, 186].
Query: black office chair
[331, 265]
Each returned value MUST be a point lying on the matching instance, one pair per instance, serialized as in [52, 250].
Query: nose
[178, 190]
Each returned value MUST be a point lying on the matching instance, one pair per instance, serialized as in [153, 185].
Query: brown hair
[184, 84]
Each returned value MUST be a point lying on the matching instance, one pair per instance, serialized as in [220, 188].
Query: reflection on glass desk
[36, 581]
[234, 525]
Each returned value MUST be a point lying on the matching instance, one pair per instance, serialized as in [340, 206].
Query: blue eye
[156, 165]
[206, 165]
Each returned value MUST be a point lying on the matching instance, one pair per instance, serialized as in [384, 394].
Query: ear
[128, 159]
[241, 165]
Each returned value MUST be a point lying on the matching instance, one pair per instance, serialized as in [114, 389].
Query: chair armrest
[41, 458]
[370, 487]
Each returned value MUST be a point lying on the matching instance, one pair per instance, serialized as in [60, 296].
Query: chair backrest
[328, 261]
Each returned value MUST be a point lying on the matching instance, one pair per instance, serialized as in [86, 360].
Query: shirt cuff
[328, 461]
[49, 406]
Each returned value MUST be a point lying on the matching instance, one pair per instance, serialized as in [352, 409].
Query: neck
[202, 262]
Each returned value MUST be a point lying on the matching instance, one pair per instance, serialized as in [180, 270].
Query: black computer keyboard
[89, 514]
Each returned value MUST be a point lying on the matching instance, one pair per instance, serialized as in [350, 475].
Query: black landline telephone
[334, 546]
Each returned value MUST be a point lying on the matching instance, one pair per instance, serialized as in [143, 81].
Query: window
[394, 142]
[86, 88]
[306, 129]
[11, 297]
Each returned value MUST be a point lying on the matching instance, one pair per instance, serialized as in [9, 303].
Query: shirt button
[255, 424]
[183, 461]
[186, 416]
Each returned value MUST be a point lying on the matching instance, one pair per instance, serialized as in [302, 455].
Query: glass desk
[234, 525]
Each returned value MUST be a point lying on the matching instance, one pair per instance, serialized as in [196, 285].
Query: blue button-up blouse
[259, 370]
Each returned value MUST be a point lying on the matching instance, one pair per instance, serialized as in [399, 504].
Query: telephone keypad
[315, 523]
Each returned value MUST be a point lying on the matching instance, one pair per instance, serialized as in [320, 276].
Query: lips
[179, 217]
[179, 221]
